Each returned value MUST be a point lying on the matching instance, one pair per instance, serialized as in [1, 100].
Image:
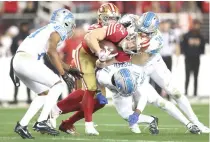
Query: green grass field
[111, 127]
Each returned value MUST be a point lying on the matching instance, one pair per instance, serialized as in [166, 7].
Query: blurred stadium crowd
[20, 18]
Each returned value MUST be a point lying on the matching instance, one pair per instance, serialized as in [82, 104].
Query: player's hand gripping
[105, 54]
[75, 73]
[133, 118]
[69, 81]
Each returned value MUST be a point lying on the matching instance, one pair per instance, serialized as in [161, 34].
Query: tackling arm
[100, 64]
[92, 39]
[53, 54]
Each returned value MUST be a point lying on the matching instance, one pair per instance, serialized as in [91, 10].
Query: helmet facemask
[106, 20]
[131, 48]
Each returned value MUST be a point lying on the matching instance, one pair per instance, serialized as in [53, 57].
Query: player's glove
[69, 81]
[133, 119]
[105, 54]
[75, 73]
[101, 98]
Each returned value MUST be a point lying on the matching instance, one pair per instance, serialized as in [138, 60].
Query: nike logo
[25, 132]
[40, 126]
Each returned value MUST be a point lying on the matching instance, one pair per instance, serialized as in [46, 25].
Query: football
[109, 45]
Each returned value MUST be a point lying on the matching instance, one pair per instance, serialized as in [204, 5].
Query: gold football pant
[86, 64]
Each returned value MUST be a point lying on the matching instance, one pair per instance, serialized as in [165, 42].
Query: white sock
[172, 110]
[36, 104]
[56, 110]
[51, 100]
[145, 119]
[185, 106]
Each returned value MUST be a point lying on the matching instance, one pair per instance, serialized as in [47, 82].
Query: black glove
[69, 81]
[75, 73]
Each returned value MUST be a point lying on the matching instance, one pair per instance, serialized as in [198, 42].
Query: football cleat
[153, 126]
[69, 129]
[90, 129]
[135, 129]
[193, 128]
[203, 128]
[23, 131]
[43, 127]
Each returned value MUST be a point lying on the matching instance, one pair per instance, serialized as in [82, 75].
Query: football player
[123, 103]
[89, 51]
[145, 94]
[155, 67]
[36, 76]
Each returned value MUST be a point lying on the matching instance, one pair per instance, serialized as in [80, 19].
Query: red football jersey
[114, 33]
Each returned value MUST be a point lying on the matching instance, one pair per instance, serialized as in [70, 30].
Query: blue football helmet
[125, 82]
[65, 18]
[147, 23]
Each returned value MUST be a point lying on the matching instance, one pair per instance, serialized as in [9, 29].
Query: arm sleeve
[115, 33]
[61, 31]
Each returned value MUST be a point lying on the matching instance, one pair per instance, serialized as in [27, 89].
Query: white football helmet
[148, 23]
[66, 19]
[129, 22]
[125, 82]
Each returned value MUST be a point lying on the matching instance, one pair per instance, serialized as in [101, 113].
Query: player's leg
[124, 107]
[155, 99]
[68, 125]
[86, 64]
[36, 104]
[72, 99]
[163, 77]
[69, 104]
[33, 71]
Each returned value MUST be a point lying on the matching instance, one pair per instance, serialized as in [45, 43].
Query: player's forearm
[93, 43]
[66, 67]
[142, 103]
[56, 61]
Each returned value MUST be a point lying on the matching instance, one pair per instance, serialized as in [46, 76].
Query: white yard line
[86, 139]
[108, 124]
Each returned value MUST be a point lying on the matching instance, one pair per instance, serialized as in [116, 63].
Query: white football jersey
[36, 43]
[156, 43]
[104, 75]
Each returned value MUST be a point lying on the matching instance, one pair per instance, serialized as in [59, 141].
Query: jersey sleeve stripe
[108, 30]
[111, 29]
